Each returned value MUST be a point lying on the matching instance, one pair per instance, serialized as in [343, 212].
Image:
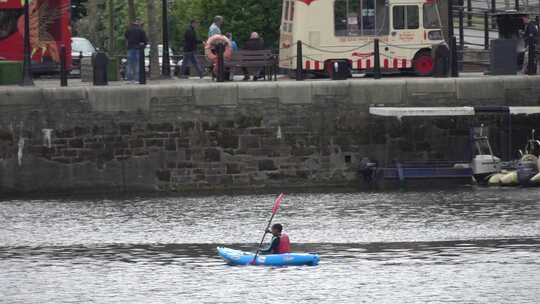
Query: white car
[80, 48]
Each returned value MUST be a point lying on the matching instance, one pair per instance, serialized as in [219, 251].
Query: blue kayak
[237, 257]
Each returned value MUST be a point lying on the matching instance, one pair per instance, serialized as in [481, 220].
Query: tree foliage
[241, 18]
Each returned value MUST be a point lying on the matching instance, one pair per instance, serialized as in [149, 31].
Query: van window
[431, 16]
[292, 11]
[360, 17]
[286, 11]
[405, 17]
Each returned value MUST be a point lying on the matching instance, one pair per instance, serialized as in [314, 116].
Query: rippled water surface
[464, 246]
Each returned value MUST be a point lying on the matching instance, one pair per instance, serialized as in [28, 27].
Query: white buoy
[535, 179]
[495, 179]
[20, 152]
[47, 134]
[510, 179]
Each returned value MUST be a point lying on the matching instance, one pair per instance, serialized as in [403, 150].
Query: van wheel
[423, 64]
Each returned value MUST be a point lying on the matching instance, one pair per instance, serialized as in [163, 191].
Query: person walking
[136, 40]
[215, 28]
[191, 42]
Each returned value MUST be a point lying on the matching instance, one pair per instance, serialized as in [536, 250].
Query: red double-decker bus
[49, 31]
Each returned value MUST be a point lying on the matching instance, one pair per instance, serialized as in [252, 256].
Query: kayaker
[280, 241]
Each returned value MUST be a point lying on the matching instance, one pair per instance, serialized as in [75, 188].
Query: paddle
[275, 209]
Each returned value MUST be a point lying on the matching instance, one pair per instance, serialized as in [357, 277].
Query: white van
[345, 29]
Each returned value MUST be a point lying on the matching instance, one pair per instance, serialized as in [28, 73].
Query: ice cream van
[331, 30]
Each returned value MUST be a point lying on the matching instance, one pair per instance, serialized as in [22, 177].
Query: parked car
[80, 48]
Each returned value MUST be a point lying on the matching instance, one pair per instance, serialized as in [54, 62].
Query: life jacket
[284, 244]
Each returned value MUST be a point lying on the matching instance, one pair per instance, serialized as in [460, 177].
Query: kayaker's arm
[272, 247]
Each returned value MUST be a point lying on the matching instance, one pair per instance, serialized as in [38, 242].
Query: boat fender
[284, 244]
[495, 179]
[535, 179]
[510, 179]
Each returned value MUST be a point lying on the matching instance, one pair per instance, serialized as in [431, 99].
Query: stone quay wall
[208, 136]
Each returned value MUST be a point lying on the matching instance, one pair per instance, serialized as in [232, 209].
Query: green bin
[10, 72]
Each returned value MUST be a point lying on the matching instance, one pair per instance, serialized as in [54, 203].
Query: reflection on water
[479, 246]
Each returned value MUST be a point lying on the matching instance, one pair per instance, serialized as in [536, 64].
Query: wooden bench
[253, 61]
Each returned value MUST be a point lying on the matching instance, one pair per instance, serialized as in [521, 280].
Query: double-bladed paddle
[275, 209]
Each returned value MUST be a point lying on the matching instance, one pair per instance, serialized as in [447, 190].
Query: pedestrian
[191, 41]
[234, 45]
[530, 35]
[135, 40]
[254, 43]
[215, 28]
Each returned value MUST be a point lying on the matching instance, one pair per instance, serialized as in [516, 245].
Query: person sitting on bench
[254, 43]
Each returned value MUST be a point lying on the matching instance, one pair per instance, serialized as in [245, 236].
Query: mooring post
[377, 59]
[531, 68]
[493, 11]
[220, 48]
[469, 12]
[454, 58]
[299, 61]
[486, 31]
[461, 29]
[63, 73]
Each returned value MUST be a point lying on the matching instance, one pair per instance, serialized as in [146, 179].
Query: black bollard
[63, 72]
[461, 30]
[220, 49]
[377, 59]
[493, 11]
[486, 31]
[450, 18]
[299, 61]
[100, 62]
[142, 66]
[453, 58]
[27, 59]
[469, 12]
[531, 68]
[517, 5]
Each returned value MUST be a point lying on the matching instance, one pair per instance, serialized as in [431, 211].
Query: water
[463, 246]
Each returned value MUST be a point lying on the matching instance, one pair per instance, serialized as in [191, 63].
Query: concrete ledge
[295, 92]
[20, 96]
[262, 90]
[115, 99]
[476, 89]
[331, 88]
[378, 92]
[216, 94]
[176, 90]
[61, 94]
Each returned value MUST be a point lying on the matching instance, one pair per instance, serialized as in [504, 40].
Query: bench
[253, 60]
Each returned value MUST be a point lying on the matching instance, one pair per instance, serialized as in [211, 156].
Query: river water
[470, 245]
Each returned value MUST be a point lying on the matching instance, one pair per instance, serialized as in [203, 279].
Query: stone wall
[232, 136]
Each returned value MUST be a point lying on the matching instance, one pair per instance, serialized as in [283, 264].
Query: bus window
[405, 17]
[286, 11]
[431, 16]
[292, 11]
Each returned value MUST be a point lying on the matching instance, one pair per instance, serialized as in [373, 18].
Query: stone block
[331, 88]
[260, 90]
[176, 90]
[267, 165]
[430, 90]
[384, 91]
[216, 94]
[212, 155]
[295, 92]
[478, 89]
[20, 96]
[249, 142]
[119, 99]
[61, 94]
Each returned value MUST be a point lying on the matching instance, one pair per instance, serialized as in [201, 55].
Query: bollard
[377, 59]
[450, 18]
[531, 68]
[63, 72]
[493, 11]
[299, 61]
[469, 12]
[142, 66]
[486, 31]
[100, 62]
[220, 49]
[517, 5]
[453, 58]
[461, 30]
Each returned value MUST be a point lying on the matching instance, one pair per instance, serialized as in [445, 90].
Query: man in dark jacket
[135, 40]
[190, 50]
[254, 43]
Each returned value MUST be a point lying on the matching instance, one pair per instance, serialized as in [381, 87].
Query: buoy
[509, 179]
